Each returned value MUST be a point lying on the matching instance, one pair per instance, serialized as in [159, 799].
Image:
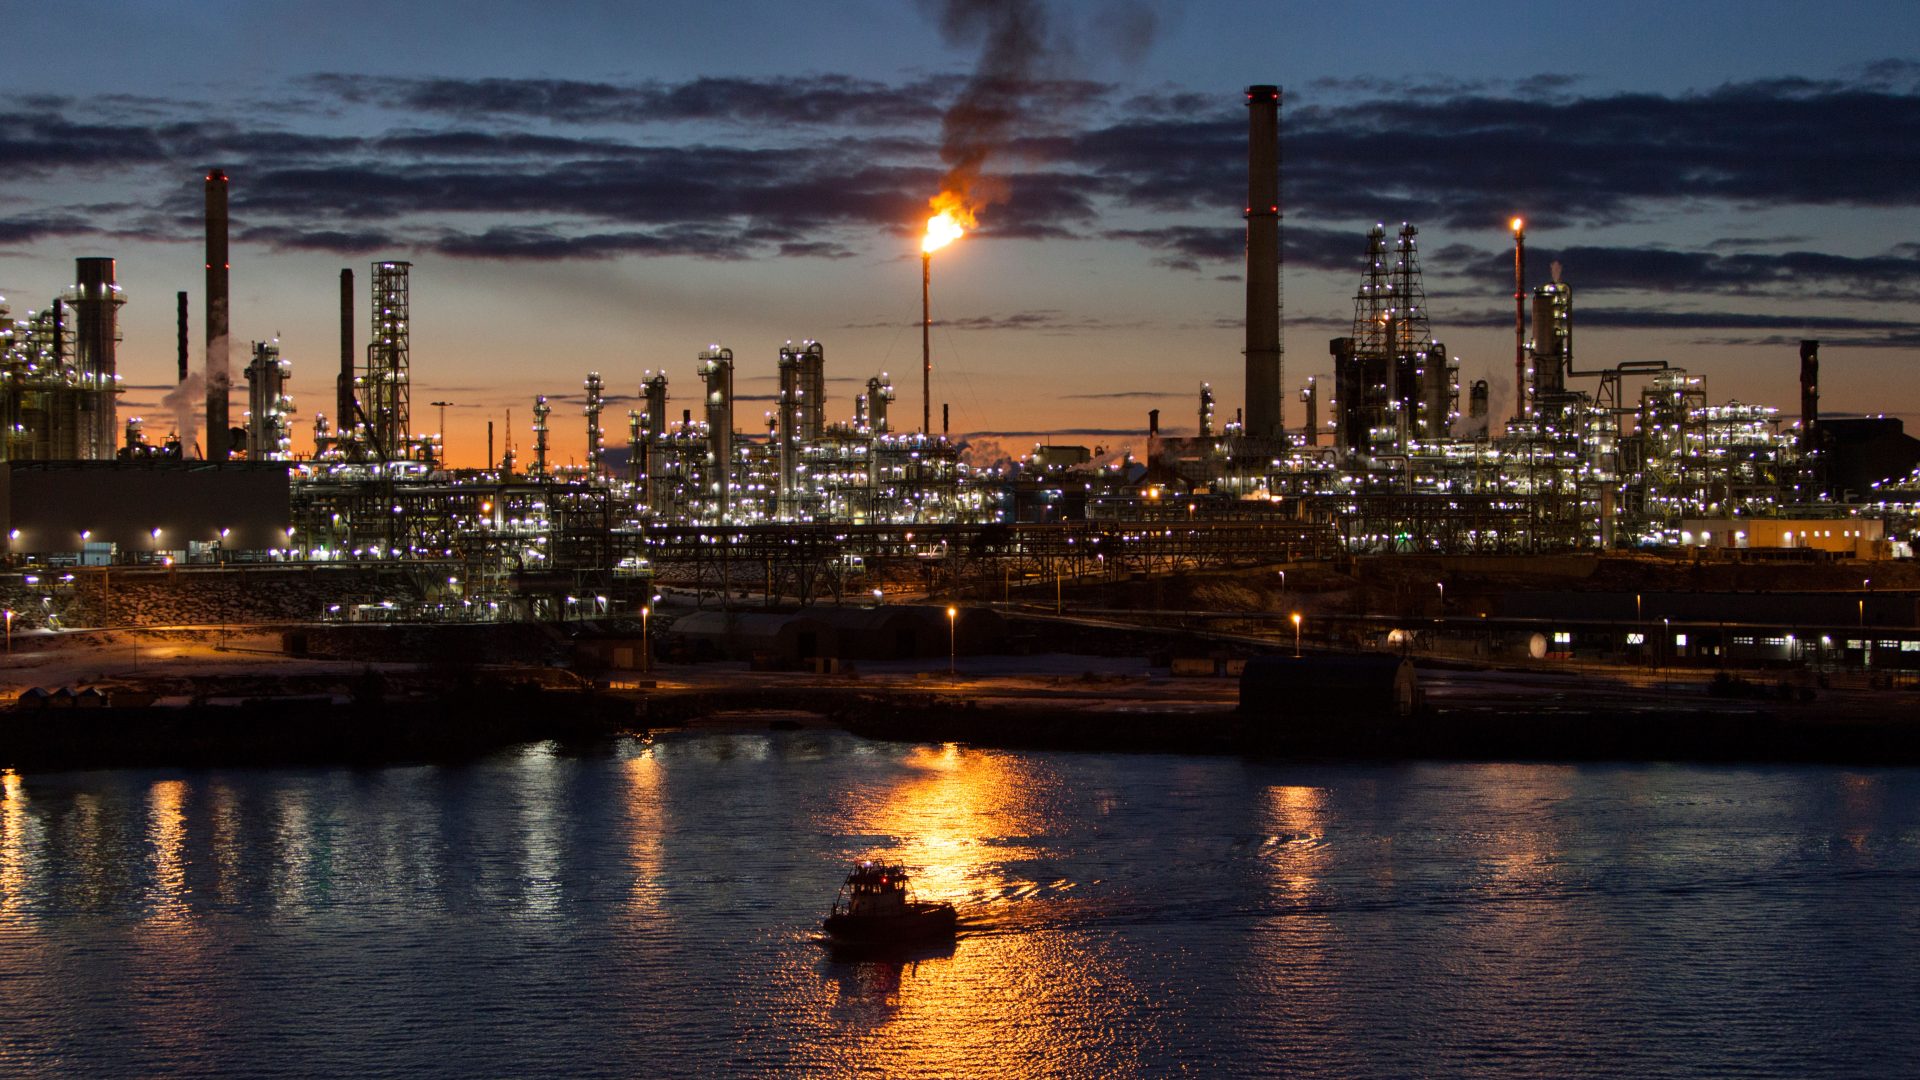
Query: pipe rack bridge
[807, 561]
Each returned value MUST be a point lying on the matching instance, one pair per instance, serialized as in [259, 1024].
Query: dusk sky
[614, 187]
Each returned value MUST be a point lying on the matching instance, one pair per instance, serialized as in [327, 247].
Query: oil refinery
[837, 500]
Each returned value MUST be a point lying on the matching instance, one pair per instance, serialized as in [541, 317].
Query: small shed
[1326, 687]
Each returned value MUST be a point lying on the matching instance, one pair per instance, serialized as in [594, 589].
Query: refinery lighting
[1398, 453]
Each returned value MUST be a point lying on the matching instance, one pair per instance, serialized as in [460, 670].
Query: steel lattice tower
[386, 382]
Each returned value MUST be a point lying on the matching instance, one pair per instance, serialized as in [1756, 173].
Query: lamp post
[156, 545]
[646, 645]
[953, 641]
[9, 630]
[1442, 586]
[442, 406]
[1296, 635]
[1283, 583]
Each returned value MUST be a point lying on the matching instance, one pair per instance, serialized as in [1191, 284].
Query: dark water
[652, 912]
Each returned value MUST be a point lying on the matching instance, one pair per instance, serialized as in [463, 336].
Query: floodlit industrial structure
[1393, 454]
[58, 377]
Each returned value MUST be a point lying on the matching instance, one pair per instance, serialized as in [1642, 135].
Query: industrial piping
[1265, 416]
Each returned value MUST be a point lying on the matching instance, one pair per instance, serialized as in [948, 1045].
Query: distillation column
[596, 435]
[269, 433]
[541, 410]
[654, 423]
[96, 309]
[716, 371]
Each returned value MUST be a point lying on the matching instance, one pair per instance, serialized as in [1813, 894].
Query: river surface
[652, 911]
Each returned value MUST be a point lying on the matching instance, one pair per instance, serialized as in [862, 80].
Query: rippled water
[653, 912]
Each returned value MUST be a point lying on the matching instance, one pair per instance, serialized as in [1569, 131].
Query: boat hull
[926, 922]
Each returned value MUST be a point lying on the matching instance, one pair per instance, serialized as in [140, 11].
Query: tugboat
[874, 908]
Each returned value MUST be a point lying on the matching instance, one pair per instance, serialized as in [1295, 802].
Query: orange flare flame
[943, 228]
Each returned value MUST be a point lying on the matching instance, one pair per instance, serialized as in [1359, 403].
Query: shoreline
[254, 708]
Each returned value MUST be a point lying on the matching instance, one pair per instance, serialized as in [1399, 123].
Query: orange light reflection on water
[644, 826]
[178, 1015]
[957, 823]
[166, 838]
[16, 848]
[1295, 962]
[971, 825]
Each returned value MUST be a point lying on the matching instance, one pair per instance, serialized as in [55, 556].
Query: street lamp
[953, 641]
[442, 406]
[646, 646]
[9, 630]
[1283, 583]
[1296, 635]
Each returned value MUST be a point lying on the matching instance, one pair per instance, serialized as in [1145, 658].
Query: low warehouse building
[104, 512]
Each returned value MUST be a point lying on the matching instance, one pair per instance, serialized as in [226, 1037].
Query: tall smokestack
[1809, 394]
[219, 373]
[96, 308]
[1265, 418]
[182, 298]
[926, 344]
[343, 393]
[1522, 386]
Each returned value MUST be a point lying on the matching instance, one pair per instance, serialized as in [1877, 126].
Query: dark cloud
[1798, 274]
[1449, 156]
[1046, 319]
[27, 230]
[1735, 243]
[38, 142]
[1663, 319]
[343, 241]
[454, 181]
[1185, 247]
[814, 100]
[542, 244]
[1902, 339]
[815, 249]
